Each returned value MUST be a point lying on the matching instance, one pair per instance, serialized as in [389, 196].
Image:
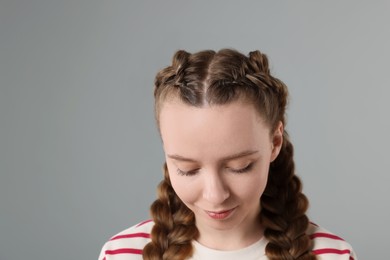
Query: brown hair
[218, 78]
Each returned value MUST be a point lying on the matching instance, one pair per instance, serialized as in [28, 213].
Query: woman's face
[218, 159]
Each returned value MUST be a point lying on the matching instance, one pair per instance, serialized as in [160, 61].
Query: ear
[277, 141]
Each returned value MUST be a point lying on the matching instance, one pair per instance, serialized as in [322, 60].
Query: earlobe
[277, 141]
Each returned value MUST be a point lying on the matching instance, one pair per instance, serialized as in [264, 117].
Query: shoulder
[328, 245]
[128, 244]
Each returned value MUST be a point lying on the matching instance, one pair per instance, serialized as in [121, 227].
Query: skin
[218, 159]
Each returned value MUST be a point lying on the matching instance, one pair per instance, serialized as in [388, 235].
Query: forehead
[217, 130]
[175, 112]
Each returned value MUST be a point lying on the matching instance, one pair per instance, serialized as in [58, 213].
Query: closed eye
[242, 170]
[187, 173]
[195, 171]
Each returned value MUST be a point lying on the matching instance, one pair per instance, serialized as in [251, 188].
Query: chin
[227, 223]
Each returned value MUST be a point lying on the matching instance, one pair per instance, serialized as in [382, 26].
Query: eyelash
[189, 173]
[238, 171]
[243, 170]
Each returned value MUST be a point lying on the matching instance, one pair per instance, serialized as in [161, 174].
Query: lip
[222, 214]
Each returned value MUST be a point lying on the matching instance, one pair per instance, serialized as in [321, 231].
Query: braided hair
[218, 78]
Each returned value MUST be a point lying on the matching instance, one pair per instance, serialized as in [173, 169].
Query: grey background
[79, 154]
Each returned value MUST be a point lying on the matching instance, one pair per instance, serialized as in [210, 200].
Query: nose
[215, 190]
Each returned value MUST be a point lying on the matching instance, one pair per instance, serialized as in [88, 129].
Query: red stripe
[331, 251]
[145, 235]
[124, 251]
[144, 222]
[327, 235]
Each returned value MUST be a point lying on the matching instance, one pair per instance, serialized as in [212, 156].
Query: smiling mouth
[224, 214]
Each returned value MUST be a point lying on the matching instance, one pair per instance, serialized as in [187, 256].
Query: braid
[283, 210]
[172, 74]
[174, 227]
[283, 205]
[259, 62]
[187, 80]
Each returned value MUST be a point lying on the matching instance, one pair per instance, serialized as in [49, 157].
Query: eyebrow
[227, 158]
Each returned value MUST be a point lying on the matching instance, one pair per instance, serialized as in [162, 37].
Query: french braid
[220, 78]
[283, 207]
[174, 227]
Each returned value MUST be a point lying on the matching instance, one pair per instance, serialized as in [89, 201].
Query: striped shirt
[128, 245]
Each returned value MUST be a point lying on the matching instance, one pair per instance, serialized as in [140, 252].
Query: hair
[218, 78]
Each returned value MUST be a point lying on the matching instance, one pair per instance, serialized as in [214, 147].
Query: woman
[229, 188]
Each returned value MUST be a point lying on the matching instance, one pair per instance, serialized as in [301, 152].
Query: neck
[238, 237]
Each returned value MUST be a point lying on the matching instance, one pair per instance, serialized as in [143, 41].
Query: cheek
[257, 187]
[254, 185]
[184, 188]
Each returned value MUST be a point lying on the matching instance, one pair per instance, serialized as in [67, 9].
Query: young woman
[229, 188]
